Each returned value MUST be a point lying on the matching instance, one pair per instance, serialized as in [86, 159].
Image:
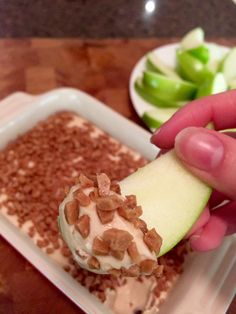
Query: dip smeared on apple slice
[103, 230]
[107, 231]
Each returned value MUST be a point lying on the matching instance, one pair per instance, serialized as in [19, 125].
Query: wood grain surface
[98, 67]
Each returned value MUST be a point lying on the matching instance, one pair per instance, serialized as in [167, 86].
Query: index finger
[220, 109]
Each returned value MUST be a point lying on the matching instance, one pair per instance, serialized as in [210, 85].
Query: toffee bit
[108, 203]
[94, 195]
[130, 213]
[153, 240]
[140, 224]
[115, 272]
[83, 226]
[117, 239]
[132, 271]
[131, 201]
[147, 266]
[85, 181]
[72, 212]
[93, 263]
[81, 197]
[115, 187]
[158, 271]
[100, 247]
[105, 216]
[117, 254]
[104, 184]
[133, 253]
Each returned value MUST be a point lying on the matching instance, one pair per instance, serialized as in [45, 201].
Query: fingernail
[194, 238]
[199, 148]
[152, 140]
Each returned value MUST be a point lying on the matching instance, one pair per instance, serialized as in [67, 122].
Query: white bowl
[167, 54]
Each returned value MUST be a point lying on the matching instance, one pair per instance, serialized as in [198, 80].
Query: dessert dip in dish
[36, 170]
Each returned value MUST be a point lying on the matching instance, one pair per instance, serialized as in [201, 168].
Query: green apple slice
[202, 53]
[193, 39]
[228, 66]
[171, 197]
[165, 87]
[192, 68]
[154, 118]
[154, 63]
[214, 86]
[155, 100]
[216, 56]
[151, 67]
[181, 73]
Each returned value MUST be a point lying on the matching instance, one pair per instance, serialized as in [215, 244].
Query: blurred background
[117, 18]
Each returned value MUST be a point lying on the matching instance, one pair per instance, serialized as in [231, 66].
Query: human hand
[211, 156]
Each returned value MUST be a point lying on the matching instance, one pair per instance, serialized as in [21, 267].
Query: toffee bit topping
[147, 266]
[93, 178]
[83, 226]
[105, 216]
[115, 242]
[131, 201]
[72, 212]
[158, 271]
[115, 187]
[140, 224]
[132, 271]
[104, 184]
[115, 272]
[130, 213]
[82, 198]
[93, 263]
[117, 254]
[133, 253]
[118, 240]
[153, 240]
[100, 247]
[94, 195]
[108, 203]
[138, 210]
[85, 181]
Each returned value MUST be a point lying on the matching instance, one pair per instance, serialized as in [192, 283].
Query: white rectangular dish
[208, 283]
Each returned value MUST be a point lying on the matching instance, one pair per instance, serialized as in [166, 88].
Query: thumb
[211, 156]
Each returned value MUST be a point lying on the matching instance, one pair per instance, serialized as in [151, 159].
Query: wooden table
[98, 67]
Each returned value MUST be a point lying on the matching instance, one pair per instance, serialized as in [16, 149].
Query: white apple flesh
[171, 197]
